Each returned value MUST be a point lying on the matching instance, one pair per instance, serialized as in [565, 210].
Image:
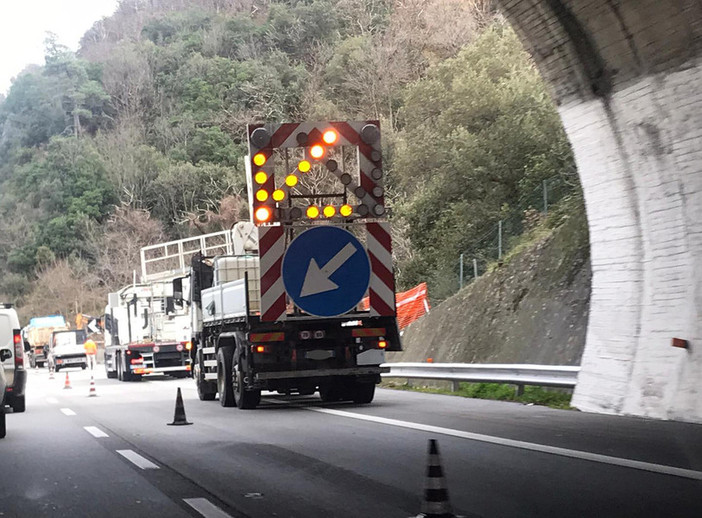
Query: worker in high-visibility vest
[90, 352]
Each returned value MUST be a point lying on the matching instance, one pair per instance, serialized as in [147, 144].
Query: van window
[5, 331]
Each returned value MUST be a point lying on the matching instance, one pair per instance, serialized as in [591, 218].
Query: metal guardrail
[513, 374]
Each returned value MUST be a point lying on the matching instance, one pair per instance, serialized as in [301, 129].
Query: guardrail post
[456, 385]
[520, 390]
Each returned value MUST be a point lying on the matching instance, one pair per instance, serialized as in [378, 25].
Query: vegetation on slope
[139, 136]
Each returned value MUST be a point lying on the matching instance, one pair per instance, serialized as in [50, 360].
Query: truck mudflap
[316, 373]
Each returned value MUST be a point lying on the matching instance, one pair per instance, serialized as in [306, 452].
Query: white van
[13, 364]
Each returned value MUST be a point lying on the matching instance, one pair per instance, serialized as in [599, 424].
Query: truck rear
[146, 333]
[38, 334]
[278, 304]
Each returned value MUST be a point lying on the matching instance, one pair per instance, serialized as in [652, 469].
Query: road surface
[70, 455]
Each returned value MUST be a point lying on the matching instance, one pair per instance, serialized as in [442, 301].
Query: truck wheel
[362, 393]
[32, 362]
[120, 370]
[18, 404]
[224, 376]
[330, 392]
[3, 428]
[206, 390]
[245, 399]
[110, 374]
[41, 364]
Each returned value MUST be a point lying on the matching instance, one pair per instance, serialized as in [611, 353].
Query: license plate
[319, 354]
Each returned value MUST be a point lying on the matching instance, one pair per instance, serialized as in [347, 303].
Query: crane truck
[276, 303]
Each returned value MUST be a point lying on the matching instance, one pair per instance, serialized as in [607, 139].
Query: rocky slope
[531, 309]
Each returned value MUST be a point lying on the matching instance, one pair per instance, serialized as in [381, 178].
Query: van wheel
[224, 376]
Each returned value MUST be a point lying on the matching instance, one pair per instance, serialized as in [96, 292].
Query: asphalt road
[70, 455]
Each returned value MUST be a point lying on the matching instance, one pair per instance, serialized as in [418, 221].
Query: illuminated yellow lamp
[329, 211]
[346, 210]
[304, 166]
[317, 151]
[329, 137]
[278, 195]
[291, 180]
[263, 214]
[261, 195]
[313, 212]
[261, 177]
[259, 159]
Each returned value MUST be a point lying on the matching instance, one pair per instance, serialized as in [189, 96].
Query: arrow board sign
[326, 271]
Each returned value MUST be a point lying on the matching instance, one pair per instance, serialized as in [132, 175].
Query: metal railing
[513, 374]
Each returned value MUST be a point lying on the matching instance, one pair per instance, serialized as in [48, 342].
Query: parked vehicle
[276, 304]
[66, 349]
[15, 374]
[145, 333]
[38, 334]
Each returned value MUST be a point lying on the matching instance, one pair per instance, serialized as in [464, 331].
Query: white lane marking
[68, 411]
[52, 400]
[541, 448]
[95, 431]
[206, 508]
[137, 459]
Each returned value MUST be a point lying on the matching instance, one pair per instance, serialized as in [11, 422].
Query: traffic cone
[436, 500]
[51, 373]
[67, 383]
[92, 392]
[179, 417]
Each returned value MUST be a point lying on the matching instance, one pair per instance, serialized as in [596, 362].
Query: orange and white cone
[436, 500]
[92, 392]
[51, 373]
[67, 383]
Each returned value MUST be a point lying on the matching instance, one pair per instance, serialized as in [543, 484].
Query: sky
[24, 24]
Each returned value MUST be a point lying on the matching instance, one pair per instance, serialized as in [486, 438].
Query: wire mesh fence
[502, 236]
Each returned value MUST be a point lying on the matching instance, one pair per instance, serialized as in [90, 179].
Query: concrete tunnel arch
[627, 79]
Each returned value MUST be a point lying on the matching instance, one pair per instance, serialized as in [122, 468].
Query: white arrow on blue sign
[326, 271]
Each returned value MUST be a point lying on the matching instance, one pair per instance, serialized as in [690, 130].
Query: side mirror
[5, 354]
[27, 346]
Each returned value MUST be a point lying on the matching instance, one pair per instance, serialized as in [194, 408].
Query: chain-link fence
[506, 232]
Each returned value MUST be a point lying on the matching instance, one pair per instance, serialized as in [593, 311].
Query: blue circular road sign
[326, 271]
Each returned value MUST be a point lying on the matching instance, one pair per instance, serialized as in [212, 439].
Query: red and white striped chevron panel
[271, 248]
[381, 291]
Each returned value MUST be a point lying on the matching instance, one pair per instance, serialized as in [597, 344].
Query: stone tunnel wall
[627, 80]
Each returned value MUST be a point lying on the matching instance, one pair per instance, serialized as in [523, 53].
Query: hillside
[532, 309]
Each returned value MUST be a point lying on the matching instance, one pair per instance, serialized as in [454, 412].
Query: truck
[276, 303]
[146, 333]
[38, 334]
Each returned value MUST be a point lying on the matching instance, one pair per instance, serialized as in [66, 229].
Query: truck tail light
[260, 349]
[382, 344]
[19, 350]
[135, 361]
[188, 346]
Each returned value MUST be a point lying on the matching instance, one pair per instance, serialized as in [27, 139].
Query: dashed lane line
[95, 431]
[541, 448]
[206, 508]
[137, 459]
[67, 411]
